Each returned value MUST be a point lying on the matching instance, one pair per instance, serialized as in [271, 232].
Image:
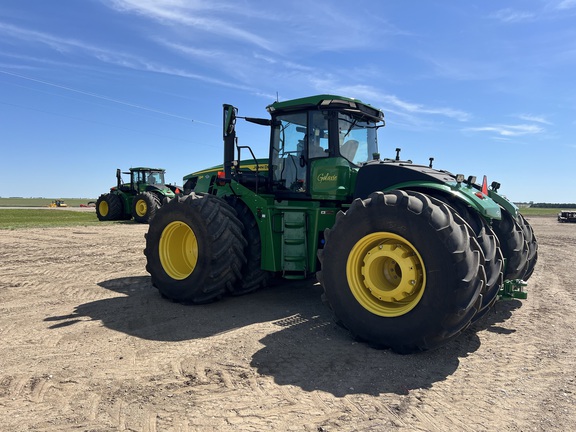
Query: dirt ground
[88, 344]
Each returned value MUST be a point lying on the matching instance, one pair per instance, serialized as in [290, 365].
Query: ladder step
[295, 258]
[294, 246]
[294, 241]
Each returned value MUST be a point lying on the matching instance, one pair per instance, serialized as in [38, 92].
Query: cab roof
[326, 101]
[147, 169]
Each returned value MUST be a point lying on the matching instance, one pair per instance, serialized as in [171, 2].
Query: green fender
[488, 207]
[510, 207]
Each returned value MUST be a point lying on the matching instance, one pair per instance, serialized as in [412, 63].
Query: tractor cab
[317, 144]
[142, 178]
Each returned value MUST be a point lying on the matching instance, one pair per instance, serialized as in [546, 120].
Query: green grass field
[47, 218]
[42, 202]
[540, 211]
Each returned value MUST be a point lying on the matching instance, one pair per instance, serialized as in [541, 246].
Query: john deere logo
[326, 177]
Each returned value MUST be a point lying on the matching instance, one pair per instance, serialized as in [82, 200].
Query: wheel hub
[141, 208]
[178, 250]
[390, 272]
[103, 208]
[386, 274]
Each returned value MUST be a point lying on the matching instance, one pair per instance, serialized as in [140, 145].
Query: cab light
[220, 176]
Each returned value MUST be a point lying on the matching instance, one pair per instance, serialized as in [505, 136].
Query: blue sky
[485, 87]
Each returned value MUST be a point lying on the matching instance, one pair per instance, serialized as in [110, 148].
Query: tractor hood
[393, 174]
[161, 188]
[387, 174]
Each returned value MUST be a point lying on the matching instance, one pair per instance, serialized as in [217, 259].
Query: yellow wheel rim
[103, 208]
[386, 274]
[141, 208]
[178, 250]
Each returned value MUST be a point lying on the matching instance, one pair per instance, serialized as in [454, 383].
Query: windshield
[357, 139]
[149, 177]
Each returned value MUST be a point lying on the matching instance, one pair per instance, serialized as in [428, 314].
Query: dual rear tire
[109, 207]
[200, 247]
[402, 270]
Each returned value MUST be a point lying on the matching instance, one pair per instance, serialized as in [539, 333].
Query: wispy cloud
[12, 32]
[509, 130]
[392, 103]
[285, 30]
[192, 14]
[566, 4]
[110, 57]
[512, 16]
[534, 118]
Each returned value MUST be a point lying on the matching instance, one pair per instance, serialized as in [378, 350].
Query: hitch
[513, 289]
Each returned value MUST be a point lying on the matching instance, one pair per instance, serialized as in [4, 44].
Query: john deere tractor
[408, 255]
[139, 199]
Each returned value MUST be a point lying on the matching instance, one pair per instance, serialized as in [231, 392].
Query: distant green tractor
[138, 199]
[408, 255]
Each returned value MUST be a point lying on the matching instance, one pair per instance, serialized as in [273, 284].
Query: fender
[388, 175]
[483, 204]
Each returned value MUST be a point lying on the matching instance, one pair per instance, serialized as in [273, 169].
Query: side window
[318, 136]
[288, 151]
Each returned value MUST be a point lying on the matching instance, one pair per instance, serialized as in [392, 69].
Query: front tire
[402, 270]
[194, 248]
[144, 207]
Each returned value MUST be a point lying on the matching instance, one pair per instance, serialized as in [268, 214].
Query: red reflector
[485, 186]
[480, 195]
[220, 178]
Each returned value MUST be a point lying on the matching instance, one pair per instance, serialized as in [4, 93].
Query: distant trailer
[567, 216]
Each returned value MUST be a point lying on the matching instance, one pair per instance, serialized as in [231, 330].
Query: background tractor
[139, 199]
[58, 203]
[567, 216]
[408, 255]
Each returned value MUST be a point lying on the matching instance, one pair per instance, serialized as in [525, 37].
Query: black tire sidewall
[193, 218]
[151, 207]
[434, 314]
[114, 207]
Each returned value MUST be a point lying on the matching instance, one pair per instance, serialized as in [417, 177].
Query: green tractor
[138, 199]
[408, 256]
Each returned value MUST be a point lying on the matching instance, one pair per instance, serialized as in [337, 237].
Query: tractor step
[294, 245]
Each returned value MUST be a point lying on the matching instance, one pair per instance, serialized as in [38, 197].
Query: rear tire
[490, 245]
[402, 270]
[253, 277]
[144, 207]
[513, 244]
[532, 247]
[109, 207]
[194, 248]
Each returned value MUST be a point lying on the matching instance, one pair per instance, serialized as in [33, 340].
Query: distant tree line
[552, 205]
